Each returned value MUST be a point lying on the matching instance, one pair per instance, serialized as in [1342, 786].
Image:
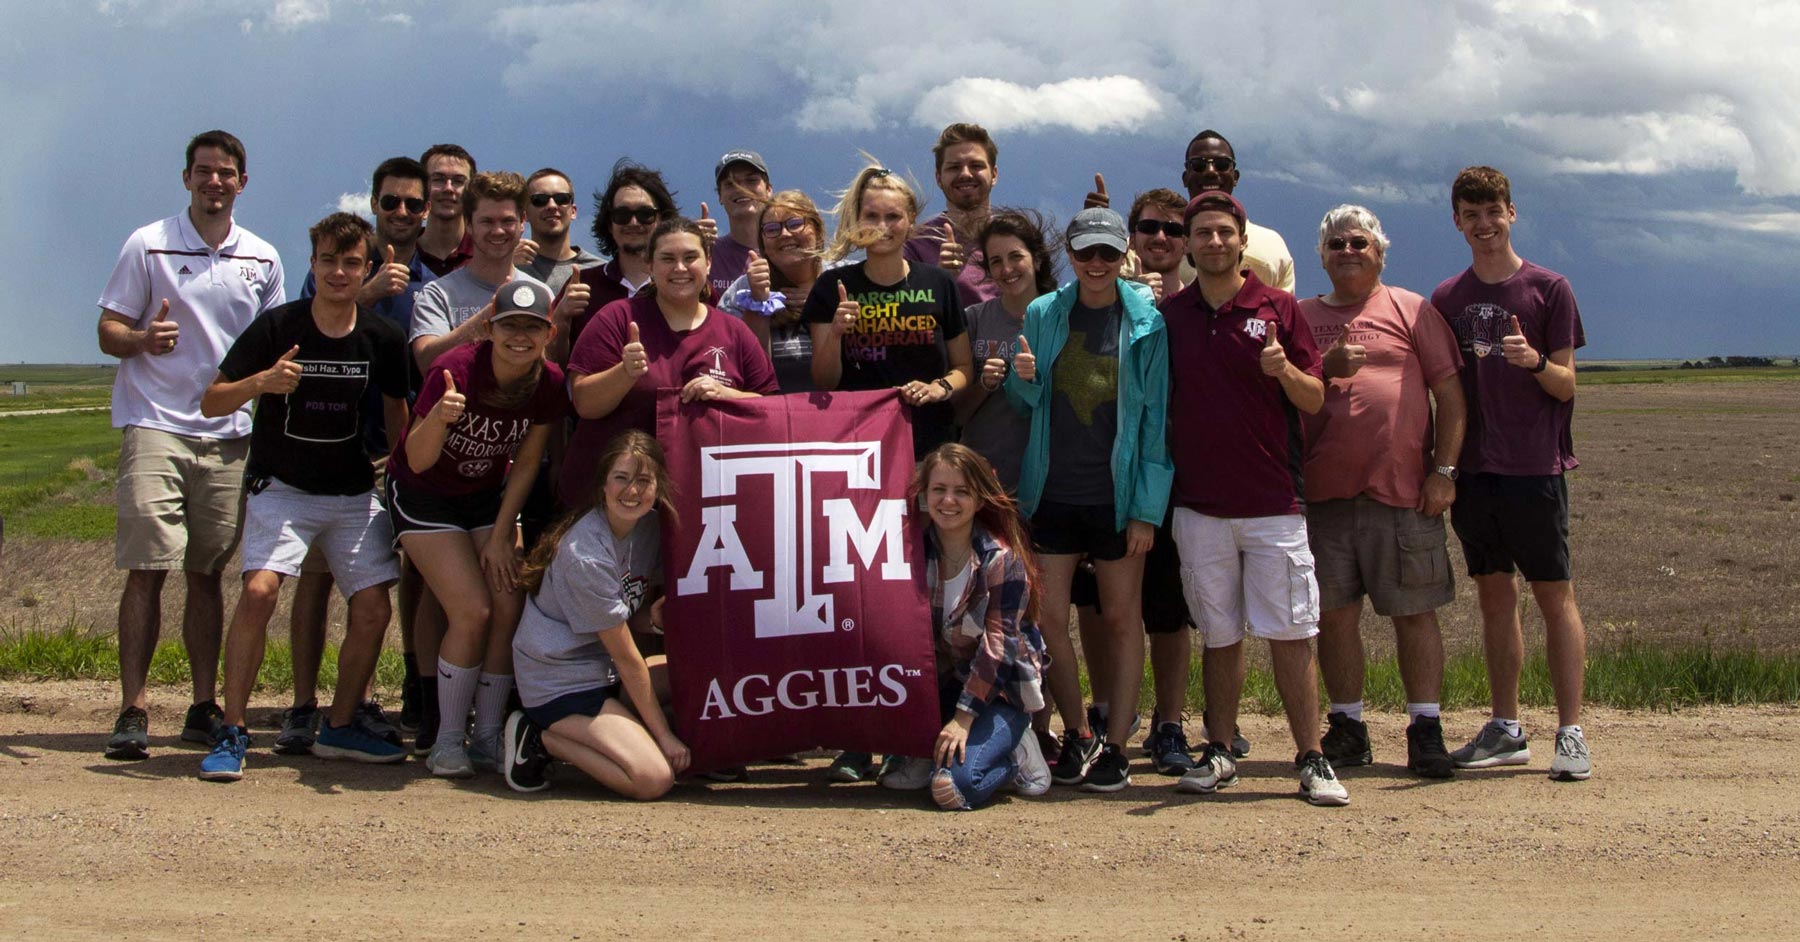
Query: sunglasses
[794, 225]
[1151, 227]
[541, 200]
[1203, 164]
[389, 202]
[643, 215]
[1105, 253]
[1356, 243]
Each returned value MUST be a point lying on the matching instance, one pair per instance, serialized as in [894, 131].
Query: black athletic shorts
[586, 703]
[417, 511]
[1068, 529]
[1165, 603]
[1507, 521]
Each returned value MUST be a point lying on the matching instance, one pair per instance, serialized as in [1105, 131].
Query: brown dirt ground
[1689, 829]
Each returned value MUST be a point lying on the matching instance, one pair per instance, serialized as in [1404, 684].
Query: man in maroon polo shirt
[1243, 367]
[635, 200]
[445, 244]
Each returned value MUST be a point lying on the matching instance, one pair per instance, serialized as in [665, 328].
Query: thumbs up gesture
[283, 377]
[1517, 349]
[847, 311]
[161, 334]
[1274, 358]
[950, 253]
[572, 301]
[1024, 362]
[1344, 358]
[758, 273]
[450, 406]
[525, 253]
[388, 280]
[636, 361]
[993, 373]
[1154, 280]
[709, 227]
[1098, 197]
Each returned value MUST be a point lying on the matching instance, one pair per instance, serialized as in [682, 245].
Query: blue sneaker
[355, 742]
[225, 763]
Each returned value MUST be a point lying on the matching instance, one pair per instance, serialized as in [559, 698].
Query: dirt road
[1689, 829]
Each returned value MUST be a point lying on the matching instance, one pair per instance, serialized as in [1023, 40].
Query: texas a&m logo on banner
[795, 616]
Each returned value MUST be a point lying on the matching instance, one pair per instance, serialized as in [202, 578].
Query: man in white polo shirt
[183, 290]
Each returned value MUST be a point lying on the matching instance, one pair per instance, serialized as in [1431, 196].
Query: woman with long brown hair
[770, 295]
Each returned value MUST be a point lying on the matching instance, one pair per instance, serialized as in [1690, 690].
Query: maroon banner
[795, 615]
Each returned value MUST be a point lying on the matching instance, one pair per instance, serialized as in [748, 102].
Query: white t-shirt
[213, 295]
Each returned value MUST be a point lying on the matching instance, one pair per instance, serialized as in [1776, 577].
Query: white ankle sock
[1512, 726]
[1576, 729]
[1416, 710]
[1352, 710]
[456, 691]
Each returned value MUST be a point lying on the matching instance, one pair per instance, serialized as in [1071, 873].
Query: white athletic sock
[1512, 726]
[1352, 710]
[1576, 729]
[490, 707]
[1416, 710]
[456, 691]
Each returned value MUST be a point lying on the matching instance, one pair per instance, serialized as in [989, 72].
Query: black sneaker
[130, 736]
[1048, 744]
[1172, 755]
[426, 737]
[1426, 756]
[1240, 747]
[410, 699]
[299, 729]
[202, 723]
[1154, 739]
[1110, 772]
[374, 721]
[525, 763]
[1074, 758]
[1346, 741]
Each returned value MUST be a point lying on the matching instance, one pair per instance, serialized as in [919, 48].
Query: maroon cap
[1219, 200]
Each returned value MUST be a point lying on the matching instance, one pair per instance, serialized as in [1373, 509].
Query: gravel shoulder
[1690, 828]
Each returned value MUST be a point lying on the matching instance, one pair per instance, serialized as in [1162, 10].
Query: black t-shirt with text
[311, 438]
[901, 335]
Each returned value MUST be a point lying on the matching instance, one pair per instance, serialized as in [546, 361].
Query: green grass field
[55, 475]
[56, 386]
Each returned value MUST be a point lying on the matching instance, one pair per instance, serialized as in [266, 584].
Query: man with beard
[967, 166]
[635, 200]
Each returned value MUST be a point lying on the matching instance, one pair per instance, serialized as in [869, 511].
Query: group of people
[1167, 440]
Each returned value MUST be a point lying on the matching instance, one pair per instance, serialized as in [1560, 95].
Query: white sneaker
[1320, 784]
[1214, 770]
[1571, 763]
[1031, 774]
[906, 773]
[450, 760]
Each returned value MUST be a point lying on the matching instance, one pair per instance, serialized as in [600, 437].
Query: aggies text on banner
[795, 615]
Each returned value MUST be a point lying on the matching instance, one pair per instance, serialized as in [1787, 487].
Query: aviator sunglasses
[389, 202]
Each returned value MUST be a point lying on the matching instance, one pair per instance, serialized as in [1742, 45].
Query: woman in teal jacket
[1095, 477]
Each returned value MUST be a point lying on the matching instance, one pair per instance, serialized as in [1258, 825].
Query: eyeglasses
[1203, 164]
[1355, 243]
[1105, 253]
[1151, 227]
[792, 225]
[540, 200]
[624, 215]
[389, 202]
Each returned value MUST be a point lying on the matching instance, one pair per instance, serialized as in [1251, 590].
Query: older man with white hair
[1379, 473]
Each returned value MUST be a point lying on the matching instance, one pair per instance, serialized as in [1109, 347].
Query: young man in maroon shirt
[1243, 367]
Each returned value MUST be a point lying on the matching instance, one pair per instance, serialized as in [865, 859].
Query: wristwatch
[948, 389]
[1543, 361]
[1447, 470]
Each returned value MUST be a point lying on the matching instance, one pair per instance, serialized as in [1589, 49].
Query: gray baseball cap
[522, 298]
[730, 157]
[1097, 226]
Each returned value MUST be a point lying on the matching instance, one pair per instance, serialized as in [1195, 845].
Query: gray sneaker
[484, 756]
[450, 760]
[299, 728]
[906, 773]
[1493, 746]
[1320, 784]
[1215, 769]
[1571, 763]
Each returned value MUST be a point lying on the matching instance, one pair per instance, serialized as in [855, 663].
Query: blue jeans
[987, 757]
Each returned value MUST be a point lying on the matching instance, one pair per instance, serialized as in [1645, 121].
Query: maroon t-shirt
[1515, 427]
[973, 285]
[604, 288]
[722, 347]
[1234, 436]
[730, 259]
[480, 446]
